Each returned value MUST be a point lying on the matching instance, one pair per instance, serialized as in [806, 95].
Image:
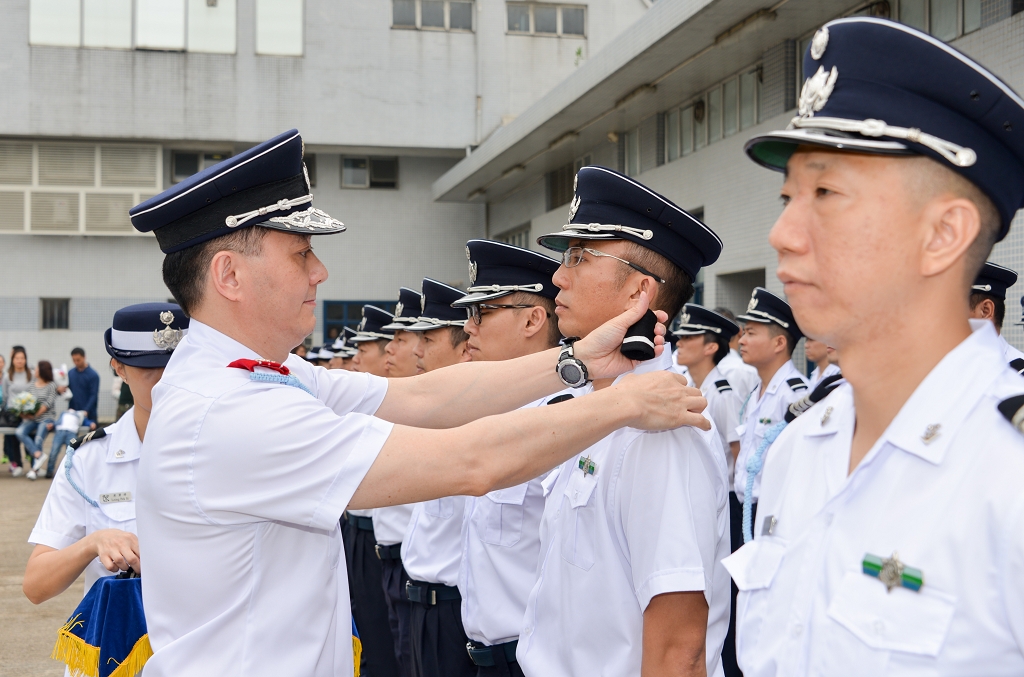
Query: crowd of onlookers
[35, 402]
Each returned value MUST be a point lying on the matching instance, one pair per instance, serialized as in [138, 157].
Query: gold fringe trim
[136, 659]
[83, 660]
[357, 653]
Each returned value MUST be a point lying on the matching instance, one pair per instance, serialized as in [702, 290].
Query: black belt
[360, 522]
[430, 593]
[388, 551]
[483, 655]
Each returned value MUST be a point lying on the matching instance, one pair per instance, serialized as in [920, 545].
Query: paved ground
[30, 631]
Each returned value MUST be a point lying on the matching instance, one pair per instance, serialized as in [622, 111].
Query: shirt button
[879, 627]
[575, 494]
[528, 629]
[796, 630]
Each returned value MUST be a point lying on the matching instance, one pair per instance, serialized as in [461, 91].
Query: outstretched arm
[509, 449]
[675, 635]
[462, 393]
[50, 571]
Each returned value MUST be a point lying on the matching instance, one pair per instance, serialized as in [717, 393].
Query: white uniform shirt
[391, 523]
[949, 501]
[652, 519]
[724, 406]
[242, 485]
[105, 469]
[817, 376]
[500, 550]
[742, 376]
[432, 546]
[1009, 352]
[762, 413]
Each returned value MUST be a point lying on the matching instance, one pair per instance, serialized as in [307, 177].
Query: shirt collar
[662, 362]
[125, 444]
[786, 371]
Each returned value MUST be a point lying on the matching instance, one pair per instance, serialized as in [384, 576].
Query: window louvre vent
[12, 211]
[66, 165]
[55, 212]
[16, 163]
[128, 166]
[108, 212]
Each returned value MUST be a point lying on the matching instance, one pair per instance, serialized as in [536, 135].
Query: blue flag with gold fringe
[106, 635]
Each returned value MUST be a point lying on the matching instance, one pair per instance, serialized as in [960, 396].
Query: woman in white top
[16, 380]
[88, 520]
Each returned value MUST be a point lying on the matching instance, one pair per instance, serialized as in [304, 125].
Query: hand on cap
[599, 350]
[664, 401]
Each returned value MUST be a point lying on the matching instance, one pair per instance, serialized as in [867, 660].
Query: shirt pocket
[900, 620]
[503, 515]
[753, 566]
[120, 513]
[441, 507]
[579, 521]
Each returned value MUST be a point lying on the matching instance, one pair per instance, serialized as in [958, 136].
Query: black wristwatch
[572, 372]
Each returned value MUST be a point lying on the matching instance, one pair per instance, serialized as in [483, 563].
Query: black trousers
[12, 449]
[729, 665]
[439, 641]
[399, 613]
[501, 668]
[369, 609]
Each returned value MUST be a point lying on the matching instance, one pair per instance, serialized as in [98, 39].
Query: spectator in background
[85, 385]
[16, 380]
[34, 428]
[125, 400]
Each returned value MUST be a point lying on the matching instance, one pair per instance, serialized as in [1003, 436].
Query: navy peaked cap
[697, 320]
[994, 280]
[371, 327]
[313, 354]
[266, 185]
[144, 335]
[608, 205]
[436, 307]
[407, 310]
[877, 86]
[767, 308]
[497, 269]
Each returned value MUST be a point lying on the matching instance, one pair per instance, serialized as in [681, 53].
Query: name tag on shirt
[118, 497]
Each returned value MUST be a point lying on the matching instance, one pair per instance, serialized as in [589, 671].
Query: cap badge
[423, 303]
[575, 181]
[167, 338]
[816, 91]
[472, 272]
[362, 324]
[753, 304]
[574, 207]
[399, 307]
[819, 43]
[684, 318]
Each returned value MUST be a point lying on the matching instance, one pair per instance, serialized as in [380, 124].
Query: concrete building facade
[426, 123]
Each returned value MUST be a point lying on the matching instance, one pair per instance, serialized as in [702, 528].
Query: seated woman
[88, 520]
[35, 427]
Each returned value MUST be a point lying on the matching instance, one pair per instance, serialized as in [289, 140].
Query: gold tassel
[136, 660]
[83, 660]
[357, 653]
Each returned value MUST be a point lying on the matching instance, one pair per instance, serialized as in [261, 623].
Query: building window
[719, 113]
[559, 186]
[517, 237]
[186, 163]
[369, 172]
[945, 19]
[54, 313]
[545, 19]
[341, 314]
[167, 25]
[435, 15]
[66, 187]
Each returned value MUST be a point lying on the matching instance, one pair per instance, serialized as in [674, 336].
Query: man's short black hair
[678, 287]
[999, 314]
[77, 351]
[723, 345]
[185, 271]
[458, 336]
[777, 330]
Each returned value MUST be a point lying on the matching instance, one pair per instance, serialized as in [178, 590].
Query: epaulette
[796, 384]
[560, 398]
[1013, 409]
[1018, 365]
[723, 386]
[97, 434]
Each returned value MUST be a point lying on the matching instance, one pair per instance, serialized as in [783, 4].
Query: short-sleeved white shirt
[762, 413]
[500, 550]
[941, 487]
[1009, 352]
[652, 519]
[432, 547]
[241, 486]
[724, 406]
[105, 469]
[391, 523]
[817, 375]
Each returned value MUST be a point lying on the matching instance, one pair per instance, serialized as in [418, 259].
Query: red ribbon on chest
[250, 365]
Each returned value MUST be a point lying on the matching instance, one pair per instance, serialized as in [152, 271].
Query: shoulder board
[97, 434]
[1017, 365]
[796, 384]
[723, 386]
[1013, 409]
[560, 398]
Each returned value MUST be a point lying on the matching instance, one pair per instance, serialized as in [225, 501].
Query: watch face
[570, 373]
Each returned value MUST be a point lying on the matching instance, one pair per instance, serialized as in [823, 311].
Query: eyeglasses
[474, 309]
[573, 256]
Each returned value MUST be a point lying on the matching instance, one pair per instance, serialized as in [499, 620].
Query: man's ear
[226, 271]
[464, 355]
[778, 343]
[986, 310]
[536, 318]
[952, 226]
[710, 349]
